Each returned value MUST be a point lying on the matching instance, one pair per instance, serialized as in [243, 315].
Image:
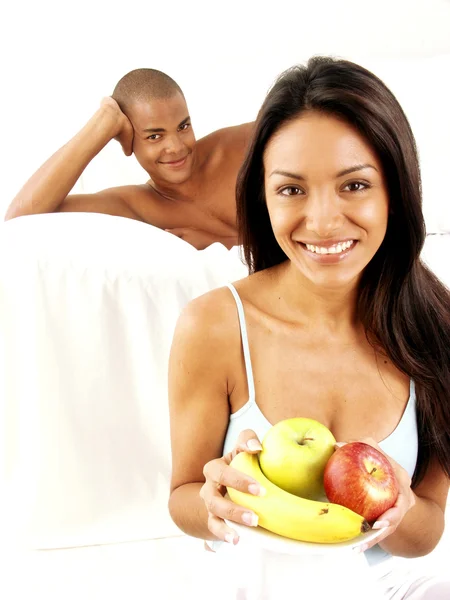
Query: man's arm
[47, 190]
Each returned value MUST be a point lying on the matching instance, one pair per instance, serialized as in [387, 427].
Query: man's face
[164, 142]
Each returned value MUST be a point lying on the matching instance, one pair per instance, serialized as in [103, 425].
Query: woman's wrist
[188, 511]
[418, 532]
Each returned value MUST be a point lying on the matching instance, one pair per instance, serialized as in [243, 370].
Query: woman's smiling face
[326, 196]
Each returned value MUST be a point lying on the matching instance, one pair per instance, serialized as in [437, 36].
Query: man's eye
[356, 186]
[185, 126]
[154, 136]
[291, 190]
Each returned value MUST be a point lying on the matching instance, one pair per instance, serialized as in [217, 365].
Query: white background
[59, 59]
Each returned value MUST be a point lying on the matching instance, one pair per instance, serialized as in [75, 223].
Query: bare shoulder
[207, 336]
[208, 317]
[259, 287]
[209, 325]
[213, 316]
[139, 200]
[128, 192]
[236, 137]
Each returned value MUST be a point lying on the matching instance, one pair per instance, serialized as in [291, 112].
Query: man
[191, 191]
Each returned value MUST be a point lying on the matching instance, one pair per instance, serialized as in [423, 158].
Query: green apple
[294, 455]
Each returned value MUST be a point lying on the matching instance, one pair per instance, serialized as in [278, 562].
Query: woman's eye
[154, 136]
[291, 190]
[356, 186]
[185, 126]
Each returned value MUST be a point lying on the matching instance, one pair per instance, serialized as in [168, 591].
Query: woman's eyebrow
[340, 174]
[356, 168]
[288, 174]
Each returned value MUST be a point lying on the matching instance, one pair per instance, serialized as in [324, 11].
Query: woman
[339, 320]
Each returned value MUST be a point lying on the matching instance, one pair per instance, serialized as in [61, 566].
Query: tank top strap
[245, 344]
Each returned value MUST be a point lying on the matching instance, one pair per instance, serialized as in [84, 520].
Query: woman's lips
[329, 257]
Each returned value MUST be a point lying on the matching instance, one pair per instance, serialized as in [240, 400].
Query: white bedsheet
[88, 304]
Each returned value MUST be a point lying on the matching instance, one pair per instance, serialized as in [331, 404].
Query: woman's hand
[219, 475]
[391, 519]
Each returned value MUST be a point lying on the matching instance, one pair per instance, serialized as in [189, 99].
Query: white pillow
[88, 305]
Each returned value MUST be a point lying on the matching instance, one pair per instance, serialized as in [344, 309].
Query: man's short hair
[144, 85]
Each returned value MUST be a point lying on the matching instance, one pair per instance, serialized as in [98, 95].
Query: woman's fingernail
[254, 445]
[250, 519]
[362, 548]
[380, 524]
[256, 489]
[230, 538]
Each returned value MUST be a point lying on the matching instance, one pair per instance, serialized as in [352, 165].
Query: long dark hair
[403, 306]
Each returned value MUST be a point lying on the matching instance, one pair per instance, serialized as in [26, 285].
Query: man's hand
[124, 128]
[202, 239]
[47, 190]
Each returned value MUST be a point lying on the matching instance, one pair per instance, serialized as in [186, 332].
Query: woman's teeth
[335, 249]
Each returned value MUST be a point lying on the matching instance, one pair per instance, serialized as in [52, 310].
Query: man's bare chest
[210, 210]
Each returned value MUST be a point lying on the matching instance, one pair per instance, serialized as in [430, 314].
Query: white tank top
[401, 444]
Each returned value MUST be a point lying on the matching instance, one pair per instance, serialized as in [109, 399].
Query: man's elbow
[19, 210]
[12, 213]
[174, 510]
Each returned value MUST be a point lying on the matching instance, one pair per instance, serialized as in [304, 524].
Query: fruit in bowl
[294, 455]
[361, 478]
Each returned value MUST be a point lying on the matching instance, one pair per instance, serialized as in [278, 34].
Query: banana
[291, 516]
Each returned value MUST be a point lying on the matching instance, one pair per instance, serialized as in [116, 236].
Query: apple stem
[373, 471]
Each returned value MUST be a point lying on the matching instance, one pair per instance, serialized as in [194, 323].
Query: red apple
[361, 478]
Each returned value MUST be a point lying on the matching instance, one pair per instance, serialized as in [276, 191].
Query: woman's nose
[323, 214]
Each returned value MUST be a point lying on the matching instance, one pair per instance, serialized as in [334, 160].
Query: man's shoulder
[132, 194]
[235, 137]
[141, 199]
[129, 191]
